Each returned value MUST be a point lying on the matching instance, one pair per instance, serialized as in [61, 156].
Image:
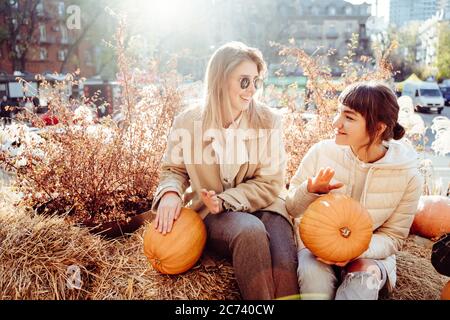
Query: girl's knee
[364, 265]
[359, 285]
[316, 279]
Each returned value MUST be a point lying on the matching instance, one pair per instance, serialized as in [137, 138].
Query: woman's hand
[211, 201]
[321, 182]
[339, 264]
[169, 209]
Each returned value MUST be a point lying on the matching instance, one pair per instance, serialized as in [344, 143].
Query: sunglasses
[245, 82]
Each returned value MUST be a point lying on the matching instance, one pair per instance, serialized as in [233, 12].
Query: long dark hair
[376, 102]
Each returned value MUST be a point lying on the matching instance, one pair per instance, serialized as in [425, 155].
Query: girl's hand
[169, 209]
[321, 182]
[339, 264]
[211, 201]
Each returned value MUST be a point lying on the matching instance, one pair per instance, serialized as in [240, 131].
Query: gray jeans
[262, 248]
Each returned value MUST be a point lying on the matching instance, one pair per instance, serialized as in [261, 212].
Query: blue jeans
[318, 280]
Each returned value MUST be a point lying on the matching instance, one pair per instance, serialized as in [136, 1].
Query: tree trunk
[19, 57]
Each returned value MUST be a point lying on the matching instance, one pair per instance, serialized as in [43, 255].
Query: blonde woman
[230, 153]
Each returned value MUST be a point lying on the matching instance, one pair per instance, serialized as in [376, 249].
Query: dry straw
[36, 252]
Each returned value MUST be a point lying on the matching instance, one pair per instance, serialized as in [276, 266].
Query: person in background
[5, 110]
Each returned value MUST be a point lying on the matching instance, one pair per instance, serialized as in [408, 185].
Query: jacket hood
[399, 155]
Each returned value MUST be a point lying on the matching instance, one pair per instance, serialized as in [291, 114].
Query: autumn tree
[443, 52]
[18, 31]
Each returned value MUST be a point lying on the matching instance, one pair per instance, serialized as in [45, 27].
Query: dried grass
[130, 276]
[416, 277]
[35, 252]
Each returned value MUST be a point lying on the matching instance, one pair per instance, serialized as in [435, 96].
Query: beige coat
[391, 193]
[257, 185]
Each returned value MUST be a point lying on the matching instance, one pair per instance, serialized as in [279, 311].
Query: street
[428, 119]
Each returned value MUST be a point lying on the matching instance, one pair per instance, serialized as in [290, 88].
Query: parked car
[426, 95]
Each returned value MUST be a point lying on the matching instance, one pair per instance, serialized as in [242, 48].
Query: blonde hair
[220, 66]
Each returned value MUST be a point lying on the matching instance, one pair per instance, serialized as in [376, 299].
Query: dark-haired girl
[365, 162]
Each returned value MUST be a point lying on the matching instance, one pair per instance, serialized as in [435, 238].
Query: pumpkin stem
[345, 232]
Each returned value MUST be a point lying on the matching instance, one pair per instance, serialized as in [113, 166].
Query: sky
[383, 7]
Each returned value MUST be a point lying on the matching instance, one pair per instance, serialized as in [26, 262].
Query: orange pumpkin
[432, 219]
[445, 295]
[336, 228]
[178, 250]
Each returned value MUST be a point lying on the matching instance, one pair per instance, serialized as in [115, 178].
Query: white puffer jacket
[391, 193]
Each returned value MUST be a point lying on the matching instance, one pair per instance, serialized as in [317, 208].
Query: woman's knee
[230, 230]
[249, 229]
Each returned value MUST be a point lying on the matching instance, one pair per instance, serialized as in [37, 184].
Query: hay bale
[130, 276]
[416, 277]
[36, 251]
[40, 255]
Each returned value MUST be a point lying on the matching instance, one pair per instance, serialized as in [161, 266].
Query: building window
[42, 32]
[362, 30]
[349, 27]
[314, 11]
[332, 44]
[3, 90]
[332, 11]
[284, 11]
[332, 32]
[348, 11]
[43, 54]
[40, 8]
[62, 54]
[14, 4]
[88, 58]
[14, 23]
[64, 34]
[61, 9]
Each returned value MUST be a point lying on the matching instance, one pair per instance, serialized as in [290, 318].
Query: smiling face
[240, 98]
[350, 128]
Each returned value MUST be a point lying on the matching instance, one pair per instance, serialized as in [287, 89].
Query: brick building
[42, 25]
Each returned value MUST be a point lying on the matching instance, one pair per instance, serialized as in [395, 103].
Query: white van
[426, 96]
